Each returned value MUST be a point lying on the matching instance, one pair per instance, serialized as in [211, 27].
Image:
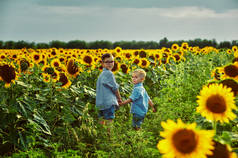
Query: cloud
[175, 12]
[45, 23]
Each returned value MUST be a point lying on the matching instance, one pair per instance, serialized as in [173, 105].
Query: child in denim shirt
[107, 92]
[139, 99]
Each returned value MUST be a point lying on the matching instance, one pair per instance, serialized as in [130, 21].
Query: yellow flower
[72, 68]
[144, 63]
[36, 57]
[175, 47]
[8, 74]
[64, 80]
[216, 103]
[222, 150]
[184, 46]
[185, 140]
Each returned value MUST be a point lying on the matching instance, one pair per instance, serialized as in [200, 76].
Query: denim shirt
[105, 90]
[140, 100]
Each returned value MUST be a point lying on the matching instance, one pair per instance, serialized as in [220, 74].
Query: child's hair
[106, 55]
[140, 72]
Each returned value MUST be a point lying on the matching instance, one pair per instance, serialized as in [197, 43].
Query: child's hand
[120, 103]
[154, 110]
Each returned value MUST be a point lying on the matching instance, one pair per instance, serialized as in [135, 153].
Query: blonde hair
[140, 72]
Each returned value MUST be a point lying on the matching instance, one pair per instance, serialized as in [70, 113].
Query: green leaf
[40, 123]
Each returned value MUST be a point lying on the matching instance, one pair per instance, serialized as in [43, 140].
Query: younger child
[139, 99]
[107, 92]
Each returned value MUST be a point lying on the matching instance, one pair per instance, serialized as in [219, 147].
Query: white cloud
[175, 12]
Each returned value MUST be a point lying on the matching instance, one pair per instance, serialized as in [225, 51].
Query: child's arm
[152, 105]
[126, 102]
[118, 96]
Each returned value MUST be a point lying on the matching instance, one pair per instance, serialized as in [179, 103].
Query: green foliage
[38, 120]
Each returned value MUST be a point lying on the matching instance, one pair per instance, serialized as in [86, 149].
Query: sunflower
[185, 140]
[230, 83]
[234, 48]
[53, 52]
[116, 67]
[176, 57]
[144, 63]
[164, 60]
[24, 65]
[55, 76]
[118, 49]
[230, 71]
[2, 56]
[87, 59]
[55, 63]
[127, 55]
[47, 69]
[124, 68]
[46, 77]
[72, 68]
[222, 151]
[136, 61]
[184, 46]
[175, 47]
[64, 80]
[36, 57]
[8, 74]
[142, 54]
[216, 103]
[136, 53]
[228, 51]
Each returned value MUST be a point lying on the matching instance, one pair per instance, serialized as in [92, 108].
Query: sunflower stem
[215, 126]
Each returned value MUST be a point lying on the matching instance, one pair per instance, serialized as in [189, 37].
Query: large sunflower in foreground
[185, 140]
[216, 103]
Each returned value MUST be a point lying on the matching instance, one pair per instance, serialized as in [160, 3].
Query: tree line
[80, 44]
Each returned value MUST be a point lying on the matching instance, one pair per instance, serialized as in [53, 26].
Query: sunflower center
[136, 61]
[115, 67]
[231, 70]
[56, 64]
[7, 73]
[87, 59]
[63, 79]
[185, 141]
[142, 54]
[216, 104]
[53, 53]
[177, 57]
[232, 84]
[124, 68]
[128, 55]
[144, 63]
[36, 57]
[220, 151]
[72, 68]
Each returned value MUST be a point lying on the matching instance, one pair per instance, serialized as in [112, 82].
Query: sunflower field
[48, 103]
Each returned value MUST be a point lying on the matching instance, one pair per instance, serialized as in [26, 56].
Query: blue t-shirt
[140, 100]
[105, 90]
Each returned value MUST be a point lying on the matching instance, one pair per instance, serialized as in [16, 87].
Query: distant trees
[79, 44]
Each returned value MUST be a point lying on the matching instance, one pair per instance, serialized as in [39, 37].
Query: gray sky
[116, 20]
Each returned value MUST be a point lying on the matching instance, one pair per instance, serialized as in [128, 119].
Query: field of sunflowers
[48, 103]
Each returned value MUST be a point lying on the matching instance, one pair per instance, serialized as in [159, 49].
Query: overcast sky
[116, 20]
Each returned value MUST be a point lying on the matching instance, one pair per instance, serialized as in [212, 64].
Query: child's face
[136, 78]
[108, 63]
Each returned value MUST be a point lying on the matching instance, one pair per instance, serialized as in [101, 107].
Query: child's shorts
[137, 120]
[107, 114]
